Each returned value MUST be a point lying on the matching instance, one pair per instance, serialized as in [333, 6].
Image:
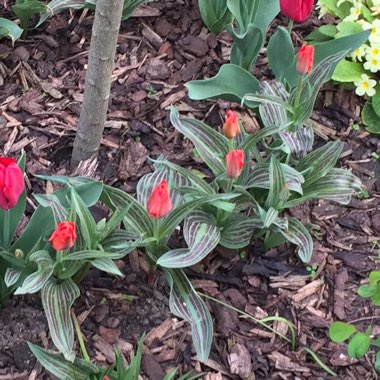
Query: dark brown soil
[150, 72]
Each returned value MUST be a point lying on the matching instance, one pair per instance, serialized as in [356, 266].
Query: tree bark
[98, 79]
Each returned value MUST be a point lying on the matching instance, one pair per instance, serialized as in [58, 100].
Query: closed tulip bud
[64, 236]
[106, 378]
[297, 10]
[11, 183]
[305, 58]
[235, 163]
[231, 126]
[159, 204]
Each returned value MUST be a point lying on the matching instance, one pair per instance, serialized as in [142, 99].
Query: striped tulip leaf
[259, 177]
[201, 236]
[318, 163]
[137, 219]
[35, 281]
[57, 300]
[58, 366]
[150, 181]
[210, 144]
[297, 234]
[195, 181]
[185, 303]
[107, 265]
[11, 276]
[273, 107]
[299, 142]
[237, 231]
[338, 185]
[181, 212]
[53, 202]
[278, 189]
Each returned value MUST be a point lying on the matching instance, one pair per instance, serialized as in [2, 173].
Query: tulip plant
[54, 251]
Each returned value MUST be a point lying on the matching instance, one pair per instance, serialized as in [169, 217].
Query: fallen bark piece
[240, 361]
[284, 363]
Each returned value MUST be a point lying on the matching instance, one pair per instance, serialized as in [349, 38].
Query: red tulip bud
[231, 126]
[11, 183]
[64, 236]
[305, 58]
[159, 204]
[235, 163]
[297, 10]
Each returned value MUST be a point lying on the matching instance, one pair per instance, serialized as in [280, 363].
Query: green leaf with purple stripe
[61, 368]
[297, 234]
[237, 231]
[57, 300]
[210, 144]
[201, 236]
[137, 219]
[185, 303]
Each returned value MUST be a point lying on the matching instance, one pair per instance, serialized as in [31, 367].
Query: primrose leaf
[341, 331]
[359, 345]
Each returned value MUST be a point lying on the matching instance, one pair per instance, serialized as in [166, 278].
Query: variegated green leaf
[312, 84]
[185, 303]
[278, 188]
[35, 281]
[57, 300]
[52, 201]
[259, 177]
[201, 236]
[61, 368]
[11, 276]
[211, 145]
[237, 231]
[137, 220]
[273, 100]
[319, 162]
[106, 265]
[149, 181]
[195, 181]
[180, 213]
[297, 234]
[338, 185]
[270, 216]
[299, 142]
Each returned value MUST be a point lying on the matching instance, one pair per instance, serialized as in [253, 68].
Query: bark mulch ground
[163, 47]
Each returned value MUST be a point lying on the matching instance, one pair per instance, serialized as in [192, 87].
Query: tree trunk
[98, 79]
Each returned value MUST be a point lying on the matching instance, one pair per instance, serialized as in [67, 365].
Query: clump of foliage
[359, 343]
[361, 68]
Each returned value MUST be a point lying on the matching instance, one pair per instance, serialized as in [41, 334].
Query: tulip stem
[6, 228]
[297, 98]
[290, 26]
[80, 337]
[230, 184]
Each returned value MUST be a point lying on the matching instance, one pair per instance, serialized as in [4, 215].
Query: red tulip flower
[64, 236]
[11, 183]
[231, 126]
[235, 163]
[305, 58]
[159, 204]
[106, 378]
[297, 10]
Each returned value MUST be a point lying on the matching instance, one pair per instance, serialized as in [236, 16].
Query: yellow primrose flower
[375, 7]
[359, 53]
[373, 52]
[355, 12]
[374, 37]
[365, 86]
[373, 65]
